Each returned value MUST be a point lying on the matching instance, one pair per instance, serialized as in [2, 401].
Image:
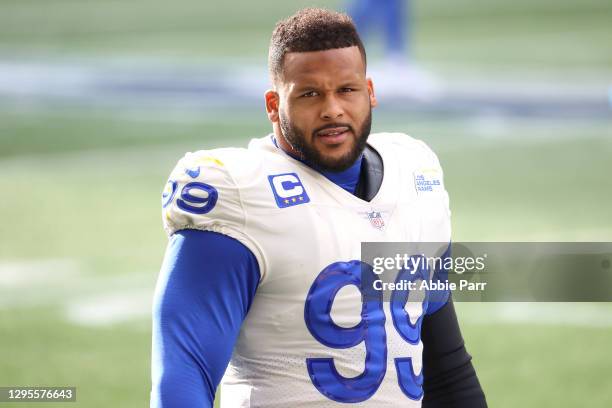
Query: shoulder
[225, 163]
[414, 161]
[406, 146]
[191, 193]
[203, 190]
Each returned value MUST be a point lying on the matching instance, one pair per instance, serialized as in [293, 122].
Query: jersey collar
[346, 179]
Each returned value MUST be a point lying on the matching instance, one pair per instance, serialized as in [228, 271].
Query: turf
[98, 207]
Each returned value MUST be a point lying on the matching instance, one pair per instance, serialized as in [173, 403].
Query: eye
[309, 94]
[346, 90]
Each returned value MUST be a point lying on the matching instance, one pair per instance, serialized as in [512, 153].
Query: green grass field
[81, 238]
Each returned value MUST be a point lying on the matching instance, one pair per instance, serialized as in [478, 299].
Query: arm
[450, 380]
[204, 291]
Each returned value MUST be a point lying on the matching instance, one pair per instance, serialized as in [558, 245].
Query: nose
[332, 108]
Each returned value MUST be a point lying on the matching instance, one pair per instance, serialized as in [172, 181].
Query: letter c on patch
[287, 186]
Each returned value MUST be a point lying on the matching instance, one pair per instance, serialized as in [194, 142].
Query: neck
[347, 179]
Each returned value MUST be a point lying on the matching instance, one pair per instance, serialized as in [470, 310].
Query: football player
[260, 288]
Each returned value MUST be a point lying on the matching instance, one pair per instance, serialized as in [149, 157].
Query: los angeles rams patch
[288, 190]
[428, 181]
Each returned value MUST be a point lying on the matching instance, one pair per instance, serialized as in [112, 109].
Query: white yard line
[175, 90]
[83, 299]
[553, 314]
[100, 301]
[110, 308]
[23, 273]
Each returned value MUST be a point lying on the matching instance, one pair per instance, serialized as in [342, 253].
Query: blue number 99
[370, 330]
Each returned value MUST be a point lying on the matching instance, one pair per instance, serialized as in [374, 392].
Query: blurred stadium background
[99, 99]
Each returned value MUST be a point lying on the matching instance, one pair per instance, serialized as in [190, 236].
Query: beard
[297, 140]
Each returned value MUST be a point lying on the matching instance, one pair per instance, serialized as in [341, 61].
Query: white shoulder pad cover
[423, 157]
[402, 141]
[202, 194]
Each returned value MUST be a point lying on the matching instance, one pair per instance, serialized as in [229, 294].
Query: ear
[272, 99]
[373, 100]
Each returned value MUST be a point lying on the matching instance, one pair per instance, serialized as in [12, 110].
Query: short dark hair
[311, 29]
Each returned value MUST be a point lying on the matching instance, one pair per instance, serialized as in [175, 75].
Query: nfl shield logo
[376, 220]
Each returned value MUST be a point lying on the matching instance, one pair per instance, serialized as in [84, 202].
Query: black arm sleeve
[449, 379]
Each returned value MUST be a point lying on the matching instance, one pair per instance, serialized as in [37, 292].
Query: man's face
[324, 106]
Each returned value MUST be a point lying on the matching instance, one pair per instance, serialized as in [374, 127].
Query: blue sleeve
[204, 291]
[440, 297]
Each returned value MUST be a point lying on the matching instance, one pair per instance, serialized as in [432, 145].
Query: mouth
[333, 135]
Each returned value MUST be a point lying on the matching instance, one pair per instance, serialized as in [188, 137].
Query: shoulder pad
[201, 194]
[401, 141]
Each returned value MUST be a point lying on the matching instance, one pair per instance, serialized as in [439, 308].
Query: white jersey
[308, 340]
